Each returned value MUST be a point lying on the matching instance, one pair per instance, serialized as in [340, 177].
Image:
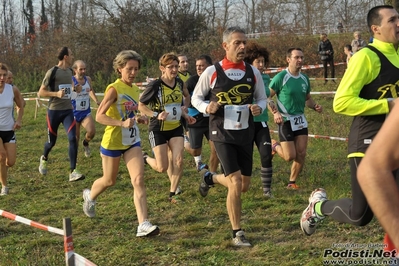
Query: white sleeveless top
[6, 108]
[81, 100]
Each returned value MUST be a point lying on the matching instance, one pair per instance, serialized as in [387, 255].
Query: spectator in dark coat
[326, 53]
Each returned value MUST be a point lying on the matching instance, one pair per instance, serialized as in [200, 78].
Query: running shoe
[178, 191]
[204, 187]
[86, 149]
[240, 240]
[201, 165]
[268, 194]
[147, 229]
[4, 191]
[89, 206]
[309, 217]
[43, 165]
[175, 199]
[75, 176]
[292, 186]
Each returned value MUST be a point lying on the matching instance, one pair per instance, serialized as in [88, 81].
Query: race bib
[131, 135]
[82, 104]
[298, 122]
[236, 117]
[68, 90]
[174, 111]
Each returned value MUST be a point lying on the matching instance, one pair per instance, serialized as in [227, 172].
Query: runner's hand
[212, 107]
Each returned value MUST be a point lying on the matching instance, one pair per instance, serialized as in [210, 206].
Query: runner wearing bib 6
[162, 100]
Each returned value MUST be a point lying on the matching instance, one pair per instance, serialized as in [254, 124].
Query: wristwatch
[155, 114]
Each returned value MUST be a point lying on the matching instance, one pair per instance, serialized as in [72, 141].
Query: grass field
[195, 232]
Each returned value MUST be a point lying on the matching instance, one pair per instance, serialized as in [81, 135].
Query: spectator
[340, 27]
[326, 53]
[348, 52]
[357, 43]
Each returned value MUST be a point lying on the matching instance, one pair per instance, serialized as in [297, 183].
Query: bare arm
[44, 92]
[101, 117]
[20, 102]
[277, 117]
[312, 104]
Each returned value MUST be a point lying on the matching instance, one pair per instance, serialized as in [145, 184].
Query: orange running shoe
[292, 186]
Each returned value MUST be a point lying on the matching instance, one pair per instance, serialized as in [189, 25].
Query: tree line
[96, 30]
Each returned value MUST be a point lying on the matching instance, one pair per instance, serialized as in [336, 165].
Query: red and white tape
[68, 242]
[279, 69]
[319, 136]
[31, 223]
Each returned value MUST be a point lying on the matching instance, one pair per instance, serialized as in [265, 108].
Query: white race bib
[131, 135]
[68, 90]
[298, 122]
[82, 104]
[236, 117]
[174, 110]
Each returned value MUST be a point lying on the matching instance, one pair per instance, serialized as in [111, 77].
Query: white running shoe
[309, 217]
[4, 191]
[86, 150]
[147, 229]
[268, 194]
[43, 165]
[240, 240]
[89, 206]
[75, 176]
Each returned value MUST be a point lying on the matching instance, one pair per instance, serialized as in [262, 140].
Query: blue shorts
[117, 153]
[81, 115]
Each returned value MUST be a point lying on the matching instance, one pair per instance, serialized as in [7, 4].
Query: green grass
[195, 232]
